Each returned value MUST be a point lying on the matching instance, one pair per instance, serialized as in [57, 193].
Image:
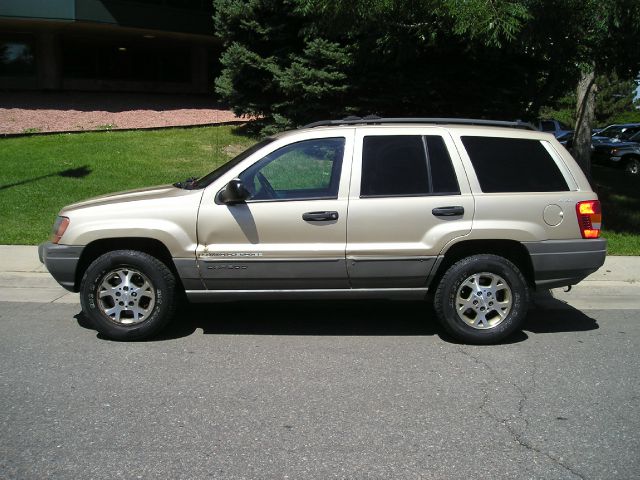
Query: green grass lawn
[620, 197]
[41, 174]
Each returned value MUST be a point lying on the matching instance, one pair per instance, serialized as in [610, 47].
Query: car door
[291, 231]
[409, 197]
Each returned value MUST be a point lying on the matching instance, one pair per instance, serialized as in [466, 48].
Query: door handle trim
[451, 211]
[320, 216]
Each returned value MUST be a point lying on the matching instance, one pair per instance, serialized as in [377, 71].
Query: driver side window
[309, 169]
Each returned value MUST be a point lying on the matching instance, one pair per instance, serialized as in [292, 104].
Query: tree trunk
[585, 109]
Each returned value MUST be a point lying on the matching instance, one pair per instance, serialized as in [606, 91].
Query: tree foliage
[614, 98]
[293, 61]
[274, 68]
[614, 103]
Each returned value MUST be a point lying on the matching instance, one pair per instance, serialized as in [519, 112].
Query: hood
[605, 145]
[149, 193]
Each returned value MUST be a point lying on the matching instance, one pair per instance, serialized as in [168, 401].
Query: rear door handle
[448, 211]
[320, 216]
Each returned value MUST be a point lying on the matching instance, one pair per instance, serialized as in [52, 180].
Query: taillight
[589, 218]
[59, 228]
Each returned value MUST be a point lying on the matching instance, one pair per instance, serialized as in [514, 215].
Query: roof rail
[373, 120]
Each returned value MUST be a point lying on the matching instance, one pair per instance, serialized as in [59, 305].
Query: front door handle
[320, 216]
[448, 211]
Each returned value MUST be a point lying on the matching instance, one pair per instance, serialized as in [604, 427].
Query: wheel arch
[99, 247]
[512, 250]
[626, 159]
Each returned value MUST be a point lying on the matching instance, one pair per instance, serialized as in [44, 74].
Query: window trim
[409, 195]
[279, 200]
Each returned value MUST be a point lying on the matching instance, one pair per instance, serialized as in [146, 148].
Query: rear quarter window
[513, 165]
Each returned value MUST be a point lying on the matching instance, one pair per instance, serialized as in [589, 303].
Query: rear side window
[513, 165]
[406, 165]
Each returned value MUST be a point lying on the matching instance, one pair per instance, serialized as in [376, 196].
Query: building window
[16, 58]
[88, 58]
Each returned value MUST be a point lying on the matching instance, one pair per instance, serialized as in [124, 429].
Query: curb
[163, 127]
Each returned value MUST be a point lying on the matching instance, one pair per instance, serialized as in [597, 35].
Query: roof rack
[374, 120]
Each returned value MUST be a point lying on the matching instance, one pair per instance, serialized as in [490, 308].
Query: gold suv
[477, 213]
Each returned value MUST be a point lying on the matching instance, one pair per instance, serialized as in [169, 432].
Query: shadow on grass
[619, 194]
[345, 318]
[79, 172]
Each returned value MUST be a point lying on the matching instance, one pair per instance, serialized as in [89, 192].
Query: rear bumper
[61, 261]
[559, 263]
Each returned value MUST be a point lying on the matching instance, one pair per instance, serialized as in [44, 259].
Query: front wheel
[482, 299]
[128, 295]
[632, 166]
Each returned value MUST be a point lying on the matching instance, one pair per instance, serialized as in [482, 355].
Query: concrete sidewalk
[24, 279]
[615, 286]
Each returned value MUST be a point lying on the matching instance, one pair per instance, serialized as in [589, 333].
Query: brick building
[108, 45]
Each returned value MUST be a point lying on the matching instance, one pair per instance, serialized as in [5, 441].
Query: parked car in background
[619, 153]
[554, 126]
[566, 139]
[615, 133]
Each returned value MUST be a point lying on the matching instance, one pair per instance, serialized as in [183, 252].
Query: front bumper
[62, 262]
[560, 263]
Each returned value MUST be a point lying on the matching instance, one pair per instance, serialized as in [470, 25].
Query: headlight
[59, 227]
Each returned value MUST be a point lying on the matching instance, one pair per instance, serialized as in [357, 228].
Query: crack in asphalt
[518, 437]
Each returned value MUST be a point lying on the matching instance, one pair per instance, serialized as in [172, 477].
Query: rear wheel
[482, 299]
[128, 295]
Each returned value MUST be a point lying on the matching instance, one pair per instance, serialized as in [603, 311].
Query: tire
[632, 166]
[138, 295]
[494, 292]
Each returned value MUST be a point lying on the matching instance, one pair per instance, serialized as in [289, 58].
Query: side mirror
[234, 192]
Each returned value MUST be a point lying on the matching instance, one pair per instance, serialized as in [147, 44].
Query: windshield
[222, 169]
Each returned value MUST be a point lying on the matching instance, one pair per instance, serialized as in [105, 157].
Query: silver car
[471, 214]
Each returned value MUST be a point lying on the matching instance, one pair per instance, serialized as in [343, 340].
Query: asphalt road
[318, 390]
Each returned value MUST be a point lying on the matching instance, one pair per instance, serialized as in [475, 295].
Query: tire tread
[157, 321]
[455, 326]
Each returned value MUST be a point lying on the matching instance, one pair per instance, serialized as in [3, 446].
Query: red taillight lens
[589, 218]
[59, 228]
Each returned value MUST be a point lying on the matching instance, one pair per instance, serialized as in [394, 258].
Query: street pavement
[297, 390]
